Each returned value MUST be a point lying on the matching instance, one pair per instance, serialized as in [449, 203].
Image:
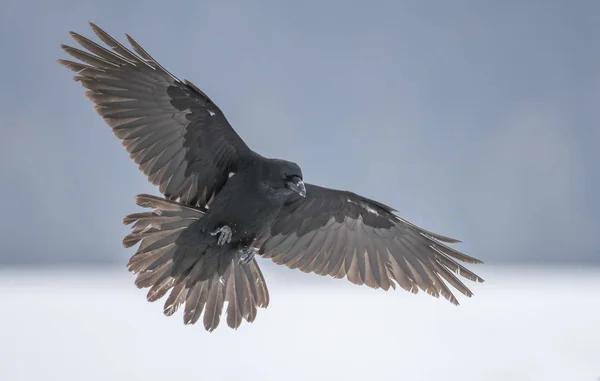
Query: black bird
[224, 203]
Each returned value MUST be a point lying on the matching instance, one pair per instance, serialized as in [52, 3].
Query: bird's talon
[247, 255]
[224, 233]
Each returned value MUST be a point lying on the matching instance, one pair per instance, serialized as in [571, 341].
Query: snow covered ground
[522, 324]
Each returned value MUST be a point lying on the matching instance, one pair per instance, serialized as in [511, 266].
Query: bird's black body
[249, 202]
[223, 203]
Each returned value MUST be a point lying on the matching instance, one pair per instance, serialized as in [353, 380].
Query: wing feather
[342, 234]
[172, 130]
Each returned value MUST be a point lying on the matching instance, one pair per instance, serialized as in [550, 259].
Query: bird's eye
[292, 177]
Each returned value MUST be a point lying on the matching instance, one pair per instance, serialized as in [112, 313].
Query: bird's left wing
[176, 134]
[342, 234]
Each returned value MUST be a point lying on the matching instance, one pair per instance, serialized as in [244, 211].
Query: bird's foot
[224, 233]
[247, 255]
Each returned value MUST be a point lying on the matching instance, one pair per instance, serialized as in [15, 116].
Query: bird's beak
[298, 187]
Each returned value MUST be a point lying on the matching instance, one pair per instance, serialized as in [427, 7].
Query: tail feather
[193, 273]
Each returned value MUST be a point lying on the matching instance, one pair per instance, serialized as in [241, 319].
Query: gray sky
[477, 120]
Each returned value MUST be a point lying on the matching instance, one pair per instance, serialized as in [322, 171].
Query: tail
[172, 256]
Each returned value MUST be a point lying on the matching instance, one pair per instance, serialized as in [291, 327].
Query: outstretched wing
[342, 234]
[179, 138]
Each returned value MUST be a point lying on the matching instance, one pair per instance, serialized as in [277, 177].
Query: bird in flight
[224, 203]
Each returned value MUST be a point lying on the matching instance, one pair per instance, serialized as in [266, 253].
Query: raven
[223, 203]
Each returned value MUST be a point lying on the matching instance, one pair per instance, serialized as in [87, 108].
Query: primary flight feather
[223, 203]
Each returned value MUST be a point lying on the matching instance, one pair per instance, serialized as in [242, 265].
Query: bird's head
[286, 178]
[292, 178]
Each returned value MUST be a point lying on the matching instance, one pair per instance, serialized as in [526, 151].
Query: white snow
[522, 324]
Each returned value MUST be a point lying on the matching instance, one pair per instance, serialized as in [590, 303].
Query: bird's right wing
[342, 234]
[179, 138]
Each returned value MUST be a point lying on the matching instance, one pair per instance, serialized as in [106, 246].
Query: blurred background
[477, 120]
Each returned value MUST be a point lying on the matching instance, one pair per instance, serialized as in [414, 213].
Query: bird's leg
[247, 253]
[224, 233]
